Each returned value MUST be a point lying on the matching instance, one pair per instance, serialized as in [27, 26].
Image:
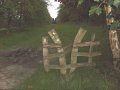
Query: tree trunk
[113, 38]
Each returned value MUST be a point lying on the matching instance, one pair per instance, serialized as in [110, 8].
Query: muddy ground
[18, 64]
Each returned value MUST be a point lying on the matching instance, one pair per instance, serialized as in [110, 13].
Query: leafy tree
[80, 12]
[111, 8]
[23, 12]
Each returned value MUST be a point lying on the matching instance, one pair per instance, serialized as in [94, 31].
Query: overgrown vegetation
[79, 11]
[18, 13]
[102, 77]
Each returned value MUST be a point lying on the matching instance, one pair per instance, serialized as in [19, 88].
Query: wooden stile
[74, 54]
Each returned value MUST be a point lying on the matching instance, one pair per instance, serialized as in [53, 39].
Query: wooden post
[77, 40]
[91, 48]
[53, 34]
[45, 53]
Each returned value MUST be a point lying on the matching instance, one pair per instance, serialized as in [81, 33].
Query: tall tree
[20, 12]
[110, 7]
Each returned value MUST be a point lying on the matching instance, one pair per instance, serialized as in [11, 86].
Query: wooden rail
[79, 44]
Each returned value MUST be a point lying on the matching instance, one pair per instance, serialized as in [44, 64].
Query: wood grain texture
[54, 36]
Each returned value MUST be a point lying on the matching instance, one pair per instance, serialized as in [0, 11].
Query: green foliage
[95, 9]
[80, 13]
[96, 0]
[116, 3]
[24, 12]
[74, 14]
[115, 25]
[80, 2]
[98, 10]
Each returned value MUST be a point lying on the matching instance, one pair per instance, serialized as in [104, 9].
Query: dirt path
[16, 65]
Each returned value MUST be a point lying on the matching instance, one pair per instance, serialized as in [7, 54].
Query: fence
[61, 54]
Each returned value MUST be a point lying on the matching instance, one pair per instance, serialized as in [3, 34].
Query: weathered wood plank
[87, 54]
[62, 60]
[54, 55]
[91, 48]
[81, 33]
[84, 44]
[52, 45]
[73, 58]
[53, 34]
[45, 53]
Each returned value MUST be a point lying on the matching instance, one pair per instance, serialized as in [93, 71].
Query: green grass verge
[81, 79]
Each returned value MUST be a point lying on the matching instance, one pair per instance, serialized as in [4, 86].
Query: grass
[32, 37]
[82, 78]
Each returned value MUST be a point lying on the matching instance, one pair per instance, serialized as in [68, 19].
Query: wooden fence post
[91, 48]
[45, 53]
[81, 33]
[53, 34]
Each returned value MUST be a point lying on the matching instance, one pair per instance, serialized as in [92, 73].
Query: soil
[18, 64]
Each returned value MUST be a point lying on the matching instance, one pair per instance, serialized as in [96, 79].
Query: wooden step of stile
[55, 55]
[71, 66]
[52, 46]
[87, 54]
[85, 44]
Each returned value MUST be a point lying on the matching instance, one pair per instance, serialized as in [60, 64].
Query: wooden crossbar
[87, 54]
[54, 55]
[84, 44]
[52, 45]
[71, 66]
